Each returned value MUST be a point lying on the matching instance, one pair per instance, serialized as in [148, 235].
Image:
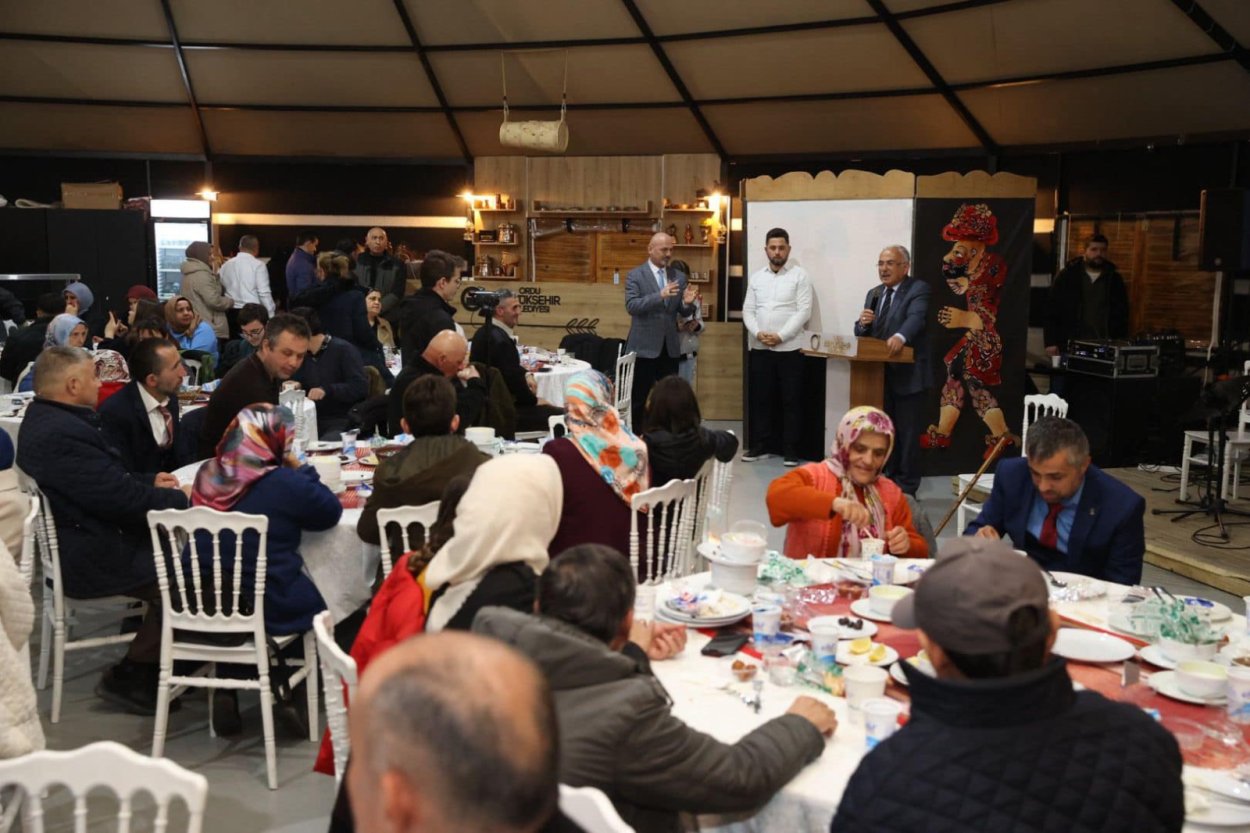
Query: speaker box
[1224, 230]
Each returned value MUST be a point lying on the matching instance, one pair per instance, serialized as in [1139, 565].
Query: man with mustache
[974, 363]
[1087, 300]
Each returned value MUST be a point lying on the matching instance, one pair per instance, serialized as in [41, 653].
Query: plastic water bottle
[616, 277]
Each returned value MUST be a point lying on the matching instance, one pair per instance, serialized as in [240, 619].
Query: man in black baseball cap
[999, 740]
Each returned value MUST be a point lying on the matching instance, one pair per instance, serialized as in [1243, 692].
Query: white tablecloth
[338, 562]
[807, 804]
[551, 382]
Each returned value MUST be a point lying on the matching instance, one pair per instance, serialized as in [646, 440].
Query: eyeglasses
[254, 333]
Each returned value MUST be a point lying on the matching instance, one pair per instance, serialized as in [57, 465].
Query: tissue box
[91, 194]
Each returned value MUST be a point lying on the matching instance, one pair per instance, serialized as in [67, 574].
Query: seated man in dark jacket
[251, 319]
[141, 419]
[428, 310]
[421, 472]
[617, 730]
[444, 356]
[495, 344]
[100, 511]
[332, 375]
[999, 740]
[23, 346]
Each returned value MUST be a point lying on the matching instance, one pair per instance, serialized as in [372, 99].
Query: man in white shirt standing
[777, 305]
[246, 279]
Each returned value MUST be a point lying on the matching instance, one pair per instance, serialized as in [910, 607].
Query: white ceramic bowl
[744, 543]
[1182, 651]
[883, 597]
[1201, 679]
[734, 577]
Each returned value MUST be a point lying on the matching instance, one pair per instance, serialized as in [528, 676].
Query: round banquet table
[698, 688]
[551, 382]
[338, 562]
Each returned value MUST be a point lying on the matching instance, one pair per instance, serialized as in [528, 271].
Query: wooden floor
[1169, 544]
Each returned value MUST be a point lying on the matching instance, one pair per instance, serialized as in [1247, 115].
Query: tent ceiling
[421, 78]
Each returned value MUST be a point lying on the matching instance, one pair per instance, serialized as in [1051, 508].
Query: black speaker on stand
[1224, 230]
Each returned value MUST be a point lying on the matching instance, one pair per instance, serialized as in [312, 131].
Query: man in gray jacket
[655, 296]
[616, 727]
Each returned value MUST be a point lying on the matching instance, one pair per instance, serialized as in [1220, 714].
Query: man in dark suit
[654, 298]
[495, 344]
[141, 419]
[1065, 513]
[896, 312]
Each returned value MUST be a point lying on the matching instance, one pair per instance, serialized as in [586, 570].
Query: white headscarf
[509, 514]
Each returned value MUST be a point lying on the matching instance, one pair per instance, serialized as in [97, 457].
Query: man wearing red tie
[1065, 513]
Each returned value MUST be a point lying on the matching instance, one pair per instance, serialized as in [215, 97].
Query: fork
[1054, 582]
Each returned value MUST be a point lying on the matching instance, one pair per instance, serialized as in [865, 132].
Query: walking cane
[994, 454]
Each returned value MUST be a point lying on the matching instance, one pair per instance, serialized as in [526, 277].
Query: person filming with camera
[495, 344]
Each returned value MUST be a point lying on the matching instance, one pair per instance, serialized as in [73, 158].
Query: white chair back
[722, 480]
[552, 422]
[207, 592]
[29, 537]
[338, 672]
[21, 377]
[703, 484]
[195, 370]
[1243, 416]
[591, 810]
[406, 517]
[668, 522]
[1037, 406]
[110, 765]
[625, 388]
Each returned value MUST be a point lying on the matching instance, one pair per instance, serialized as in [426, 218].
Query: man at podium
[895, 311]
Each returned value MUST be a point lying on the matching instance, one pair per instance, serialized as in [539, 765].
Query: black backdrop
[1015, 243]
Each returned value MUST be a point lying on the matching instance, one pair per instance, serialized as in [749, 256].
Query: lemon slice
[862, 645]
[878, 654]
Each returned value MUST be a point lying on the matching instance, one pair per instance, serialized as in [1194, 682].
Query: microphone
[876, 299]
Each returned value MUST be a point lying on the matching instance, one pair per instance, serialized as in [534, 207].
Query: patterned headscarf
[257, 442]
[60, 328]
[857, 421]
[595, 428]
[171, 316]
[111, 367]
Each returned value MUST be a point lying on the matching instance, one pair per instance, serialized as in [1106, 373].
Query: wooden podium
[867, 368]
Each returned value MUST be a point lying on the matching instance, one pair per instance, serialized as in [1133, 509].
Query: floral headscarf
[595, 428]
[857, 421]
[111, 367]
[60, 329]
[171, 316]
[257, 442]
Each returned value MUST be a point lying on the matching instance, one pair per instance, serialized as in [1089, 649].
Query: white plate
[1165, 683]
[678, 619]
[356, 476]
[324, 445]
[1220, 813]
[1153, 654]
[737, 609]
[896, 670]
[906, 571]
[1217, 781]
[862, 609]
[1091, 646]
[845, 657]
[1087, 588]
[1219, 612]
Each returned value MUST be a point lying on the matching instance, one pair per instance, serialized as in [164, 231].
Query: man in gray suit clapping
[654, 297]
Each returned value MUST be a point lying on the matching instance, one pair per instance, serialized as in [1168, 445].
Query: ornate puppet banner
[974, 247]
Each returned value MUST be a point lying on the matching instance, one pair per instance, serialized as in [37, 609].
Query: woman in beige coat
[202, 287]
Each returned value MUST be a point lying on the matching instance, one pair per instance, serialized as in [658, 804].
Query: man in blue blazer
[132, 419]
[654, 298]
[1065, 513]
[896, 312]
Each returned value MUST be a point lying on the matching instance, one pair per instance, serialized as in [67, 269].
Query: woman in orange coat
[829, 506]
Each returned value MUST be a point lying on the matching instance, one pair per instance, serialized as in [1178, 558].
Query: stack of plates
[735, 608]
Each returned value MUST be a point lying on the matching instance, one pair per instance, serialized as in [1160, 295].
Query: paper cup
[349, 442]
[766, 623]
[1238, 692]
[883, 567]
[863, 683]
[1056, 361]
[644, 603]
[869, 547]
[825, 632]
[880, 719]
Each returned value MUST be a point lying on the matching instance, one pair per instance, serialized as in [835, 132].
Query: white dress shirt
[155, 418]
[246, 280]
[777, 302]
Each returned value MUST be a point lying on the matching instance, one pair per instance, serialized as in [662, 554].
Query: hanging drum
[550, 136]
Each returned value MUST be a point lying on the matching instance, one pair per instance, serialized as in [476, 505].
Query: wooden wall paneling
[686, 173]
[849, 185]
[718, 374]
[976, 185]
[590, 181]
[503, 175]
[620, 252]
[565, 257]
